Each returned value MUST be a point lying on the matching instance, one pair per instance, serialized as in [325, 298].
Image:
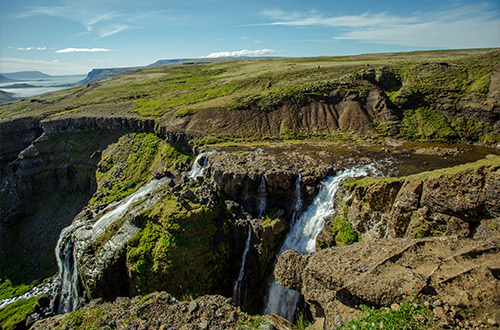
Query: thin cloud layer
[463, 27]
[244, 52]
[82, 50]
[95, 17]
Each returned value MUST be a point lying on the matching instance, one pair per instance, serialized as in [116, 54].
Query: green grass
[403, 319]
[13, 316]
[343, 232]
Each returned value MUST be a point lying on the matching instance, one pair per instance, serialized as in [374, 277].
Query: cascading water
[68, 273]
[81, 234]
[298, 200]
[262, 191]
[237, 297]
[199, 165]
[302, 237]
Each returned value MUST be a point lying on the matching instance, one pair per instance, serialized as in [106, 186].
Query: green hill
[428, 95]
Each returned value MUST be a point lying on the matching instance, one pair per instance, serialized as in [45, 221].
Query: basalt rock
[460, 272]
[450, 201]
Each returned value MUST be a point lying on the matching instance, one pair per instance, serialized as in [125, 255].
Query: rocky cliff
[454, 201]
[393, 262]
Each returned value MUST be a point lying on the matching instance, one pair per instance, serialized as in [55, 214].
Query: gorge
[172, 213]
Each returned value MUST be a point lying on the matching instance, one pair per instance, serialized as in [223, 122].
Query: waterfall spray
[302, 237]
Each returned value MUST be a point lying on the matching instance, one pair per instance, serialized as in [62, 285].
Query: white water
[302, 237]
[298, 200]
[262, 191]
[66, 253]
[199, 164]
[36, 291]
[237, 284]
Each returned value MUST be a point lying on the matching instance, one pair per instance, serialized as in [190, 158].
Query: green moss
[249, 322]
[8, 290]
[127, 164]
[13, 316]
[422, 232]
[426, 125]
[493, 226]
[407, 317]
[286, 132]
[89, 320]
[343, 232]
[175, 250]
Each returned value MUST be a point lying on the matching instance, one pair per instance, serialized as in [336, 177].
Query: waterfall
[82, 234]
[262, 191]
[68, 273]
[237, 284]
[302, 237]
[199, 165]
[298, 200]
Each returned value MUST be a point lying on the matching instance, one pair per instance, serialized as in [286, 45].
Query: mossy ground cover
[408, 316]
[127, 164]
[13, 316]
[176, 251]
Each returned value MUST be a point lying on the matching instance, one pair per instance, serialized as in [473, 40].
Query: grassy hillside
[437, 95]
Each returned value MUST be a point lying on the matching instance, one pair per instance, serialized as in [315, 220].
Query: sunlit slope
[431, 84]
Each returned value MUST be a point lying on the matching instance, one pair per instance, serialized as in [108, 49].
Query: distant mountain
[172, 62]
[100, 74]
[27, 75]
[4, 79]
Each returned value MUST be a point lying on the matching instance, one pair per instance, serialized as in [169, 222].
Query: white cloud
[30, 48]
[244, 52]
[468, 26]
[82, 50]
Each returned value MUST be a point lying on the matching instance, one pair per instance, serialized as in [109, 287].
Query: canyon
[203, 203]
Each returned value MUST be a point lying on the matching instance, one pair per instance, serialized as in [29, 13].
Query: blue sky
[75, 36]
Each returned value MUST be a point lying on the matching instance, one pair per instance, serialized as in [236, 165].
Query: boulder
[461, 272]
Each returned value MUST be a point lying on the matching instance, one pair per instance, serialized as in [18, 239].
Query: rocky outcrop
[339, 111]
[462, 273]
[17, 135]
[450, 201]
[162, 311]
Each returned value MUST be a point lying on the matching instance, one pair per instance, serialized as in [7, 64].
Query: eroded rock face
[461, 272]
[348, 112]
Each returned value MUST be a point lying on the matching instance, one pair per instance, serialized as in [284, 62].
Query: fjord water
[46, 85]
[302, 236]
